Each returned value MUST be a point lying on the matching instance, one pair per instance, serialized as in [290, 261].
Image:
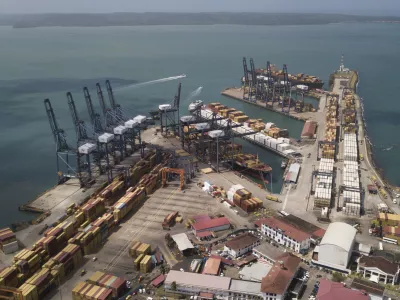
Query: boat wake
[195, 93]
[161, 80]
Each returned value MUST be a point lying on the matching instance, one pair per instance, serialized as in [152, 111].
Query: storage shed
[337, 245]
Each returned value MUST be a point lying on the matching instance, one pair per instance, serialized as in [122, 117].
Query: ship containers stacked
[127, 203]
[141, 168]
[65, 262]
[8, 277]
[8, 241]
[29, 292]
[146, 264]
[169, 220]
[87, 291]
[43, 281]
[113, 191]
[116, 284]
[28, 262]
[93, 208]
[149, 182]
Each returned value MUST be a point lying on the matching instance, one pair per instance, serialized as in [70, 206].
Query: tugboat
[284, 164]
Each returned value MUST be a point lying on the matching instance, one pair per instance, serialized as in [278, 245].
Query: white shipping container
[10, 248]
[274, 143]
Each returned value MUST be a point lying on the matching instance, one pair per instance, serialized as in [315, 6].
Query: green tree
[173, 286]
[162, 269]
[338, 277]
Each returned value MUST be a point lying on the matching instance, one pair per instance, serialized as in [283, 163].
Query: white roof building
[337, 245]
[182, 241]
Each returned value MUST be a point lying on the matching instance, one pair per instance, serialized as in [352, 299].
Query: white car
[394, 201]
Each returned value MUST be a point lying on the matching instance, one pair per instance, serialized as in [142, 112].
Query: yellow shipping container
[137, 261]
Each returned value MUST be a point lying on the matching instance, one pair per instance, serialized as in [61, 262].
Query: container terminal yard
[159, 212]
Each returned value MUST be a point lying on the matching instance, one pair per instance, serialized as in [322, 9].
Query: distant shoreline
[185, 19]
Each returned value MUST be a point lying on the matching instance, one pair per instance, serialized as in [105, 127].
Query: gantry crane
[134, 128]
[87, 146]
[180, 172]
[105, 140]
[113, 125]
[63, 150]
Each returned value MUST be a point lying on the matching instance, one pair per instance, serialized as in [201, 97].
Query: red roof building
[289, 230]
[158, 280]
[216, 224]
[329, 290]
[281, 274]
[212, 266]
[286, 234]
[309, 129]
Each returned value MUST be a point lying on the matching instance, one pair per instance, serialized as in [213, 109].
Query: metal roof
[182, 241]
[198, 280]
[339, 234]
[208, 224]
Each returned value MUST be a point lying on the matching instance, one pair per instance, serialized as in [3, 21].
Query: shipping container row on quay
[325, 176]
[80, 232]
[279, 145]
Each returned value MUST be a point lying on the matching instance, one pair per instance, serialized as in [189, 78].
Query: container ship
[312, 82]
[249, 164]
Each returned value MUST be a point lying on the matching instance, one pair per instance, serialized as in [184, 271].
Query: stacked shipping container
[116, 284]
[87, 291]
[8, 241]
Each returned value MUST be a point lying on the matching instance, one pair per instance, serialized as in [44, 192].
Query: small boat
[284, 164]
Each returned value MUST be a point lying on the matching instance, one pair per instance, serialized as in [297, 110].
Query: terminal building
[378, 269]
[286, 234]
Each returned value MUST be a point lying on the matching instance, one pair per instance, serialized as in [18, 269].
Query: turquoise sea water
[47, 62]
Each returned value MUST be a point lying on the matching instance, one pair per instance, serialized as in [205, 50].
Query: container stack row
[87, 291]
[351, 196]
[116, 284]
[125, 205]
[8, 241]
[324, 182]
[81, 231]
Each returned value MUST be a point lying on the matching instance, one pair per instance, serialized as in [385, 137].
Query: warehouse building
[378, 269]
[241, 244]
[336, 247]
[293, 173]
[183, 243]
[309, 130]
[286, 234]
[214, 286]
[275, 286]
[211, 225]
